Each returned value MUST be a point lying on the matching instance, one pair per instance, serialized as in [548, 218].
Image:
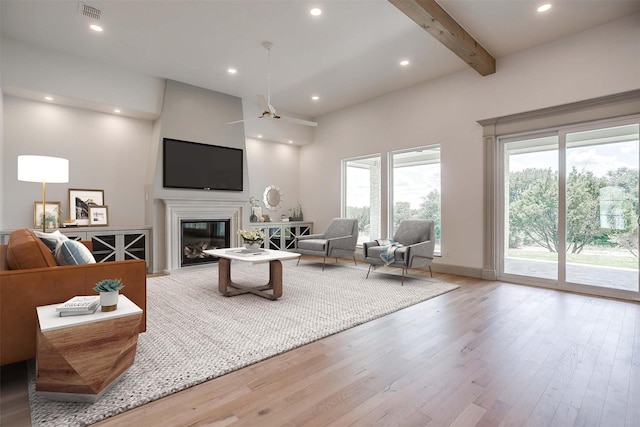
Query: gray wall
[105, 151]
[194, 114]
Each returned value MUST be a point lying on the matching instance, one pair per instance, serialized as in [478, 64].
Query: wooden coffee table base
[230, 289]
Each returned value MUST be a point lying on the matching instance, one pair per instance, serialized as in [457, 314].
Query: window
[415, 187]
[361, 195]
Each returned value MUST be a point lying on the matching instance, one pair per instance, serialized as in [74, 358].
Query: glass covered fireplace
[199, 235]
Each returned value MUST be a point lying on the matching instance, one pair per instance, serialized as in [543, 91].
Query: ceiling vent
[89, 11]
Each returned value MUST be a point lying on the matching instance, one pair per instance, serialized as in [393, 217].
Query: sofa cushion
[71, 252]
[26, 250]
[52, 240]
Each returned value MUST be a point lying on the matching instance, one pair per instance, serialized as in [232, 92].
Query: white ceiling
[348, 54]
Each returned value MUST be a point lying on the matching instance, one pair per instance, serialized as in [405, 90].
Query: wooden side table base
[230, 289]
[82, 362]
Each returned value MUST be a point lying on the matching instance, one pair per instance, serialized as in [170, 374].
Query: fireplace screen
[200, 235]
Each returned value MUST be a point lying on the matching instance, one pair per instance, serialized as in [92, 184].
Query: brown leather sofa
[39, 280]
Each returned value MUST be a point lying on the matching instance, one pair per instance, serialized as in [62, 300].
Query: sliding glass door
[602, 207]
[570, 208]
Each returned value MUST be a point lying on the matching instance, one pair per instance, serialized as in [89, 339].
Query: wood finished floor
[487, 354]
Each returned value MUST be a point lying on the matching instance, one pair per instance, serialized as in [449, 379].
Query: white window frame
[390, 168]
[344, 184]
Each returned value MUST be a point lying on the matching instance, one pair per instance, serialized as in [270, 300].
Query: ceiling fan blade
[299, 121]
[242, 121]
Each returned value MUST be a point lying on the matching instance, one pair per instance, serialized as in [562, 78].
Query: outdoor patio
[607, 277]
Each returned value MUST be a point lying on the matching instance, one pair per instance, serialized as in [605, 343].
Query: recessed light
[232, 71]
[545, 7]
[48, 98]
[290, 142]
[315, 11]
[259, 136]
[315, 97]
[96, 27]
[404, 62]
[117, 111]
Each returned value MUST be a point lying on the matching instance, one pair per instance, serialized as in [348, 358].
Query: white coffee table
[274, 258]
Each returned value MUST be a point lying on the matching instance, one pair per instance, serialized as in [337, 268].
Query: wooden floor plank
[488, 354]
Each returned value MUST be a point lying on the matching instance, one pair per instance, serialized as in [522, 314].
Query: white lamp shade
[43, 169]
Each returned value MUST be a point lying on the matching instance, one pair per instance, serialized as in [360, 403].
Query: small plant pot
[109, 300]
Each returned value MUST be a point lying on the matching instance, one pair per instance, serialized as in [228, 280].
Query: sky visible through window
[411, 184]
[598, 159]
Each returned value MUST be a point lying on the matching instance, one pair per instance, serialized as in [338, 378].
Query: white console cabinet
[282, 235]
[110, 243]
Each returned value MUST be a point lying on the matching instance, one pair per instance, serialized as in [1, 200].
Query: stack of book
[79, 305]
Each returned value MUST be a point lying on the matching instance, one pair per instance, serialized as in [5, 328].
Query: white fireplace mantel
[177, 210]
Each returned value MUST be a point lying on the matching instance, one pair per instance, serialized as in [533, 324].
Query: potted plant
[109, 291]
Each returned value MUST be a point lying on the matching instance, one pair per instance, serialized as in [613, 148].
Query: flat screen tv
[201, 166]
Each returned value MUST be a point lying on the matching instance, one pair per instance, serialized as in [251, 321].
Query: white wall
[120, 154]
[272, 163]
[602, 61]
[1, 143]
[30, 71]
[105, 151]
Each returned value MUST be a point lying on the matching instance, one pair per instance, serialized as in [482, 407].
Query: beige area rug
[194, 334]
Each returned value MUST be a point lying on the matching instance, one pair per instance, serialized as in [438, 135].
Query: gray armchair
[338, 240]
[417, 240]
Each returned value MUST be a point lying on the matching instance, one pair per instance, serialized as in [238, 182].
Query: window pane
[531, 207]
[602, 207]
[415, 193]
[362, 195]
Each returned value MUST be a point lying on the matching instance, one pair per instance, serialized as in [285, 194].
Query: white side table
[79, 357]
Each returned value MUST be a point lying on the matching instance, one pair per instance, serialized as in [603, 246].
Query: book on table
[79, 305]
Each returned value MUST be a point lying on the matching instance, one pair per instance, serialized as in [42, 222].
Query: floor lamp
[43, 169]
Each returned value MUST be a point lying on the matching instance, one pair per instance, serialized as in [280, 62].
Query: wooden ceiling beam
[436, 21]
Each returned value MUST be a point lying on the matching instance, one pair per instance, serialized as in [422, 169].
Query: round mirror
[272, 197]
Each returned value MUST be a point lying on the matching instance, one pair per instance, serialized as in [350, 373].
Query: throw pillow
[52, 240]
[71, 252]
[25, 251]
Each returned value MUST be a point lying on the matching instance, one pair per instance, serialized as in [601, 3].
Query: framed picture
[80, 201]
[51, 214]
[98, 215]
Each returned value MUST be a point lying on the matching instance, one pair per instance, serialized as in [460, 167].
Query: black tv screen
[201, 166]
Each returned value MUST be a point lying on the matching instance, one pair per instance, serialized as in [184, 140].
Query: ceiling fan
[268, 110]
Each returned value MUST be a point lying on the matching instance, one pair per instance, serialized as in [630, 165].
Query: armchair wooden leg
[402, 281]
[354, 260]
[368, 271]
[297, 263]
[336, 260]
[430, 271]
